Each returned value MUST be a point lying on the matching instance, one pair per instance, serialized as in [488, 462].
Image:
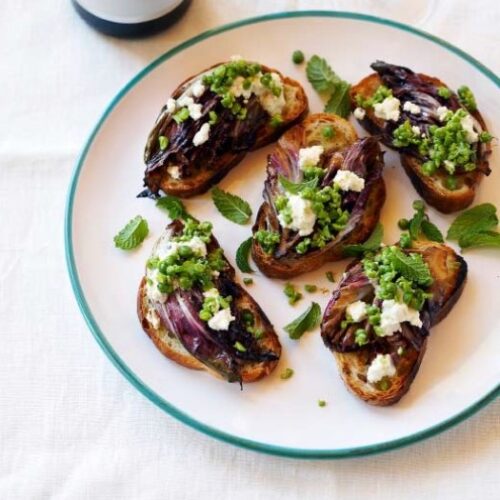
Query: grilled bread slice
[342, 151]
[422, 90]
[183, 169]
[406, 347]
[188, 340]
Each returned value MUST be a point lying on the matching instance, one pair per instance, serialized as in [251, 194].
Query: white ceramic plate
[460, 371]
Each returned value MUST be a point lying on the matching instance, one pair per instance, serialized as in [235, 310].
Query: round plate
[460, 372]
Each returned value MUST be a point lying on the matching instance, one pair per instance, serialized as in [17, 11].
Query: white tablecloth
[71, 426]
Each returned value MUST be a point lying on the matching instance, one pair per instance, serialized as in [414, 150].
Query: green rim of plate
[132, 377]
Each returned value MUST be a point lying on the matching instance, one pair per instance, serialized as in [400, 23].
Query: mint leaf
[416, 224]
[232, 207]
[173, 206]
[133, 234]
[479, 218]
[431, 231]
[411, 266]
[296, 188]
[339, 102]
[306, 321]
[482, 239]
[320, 75]
[370, 245]
[242, 255]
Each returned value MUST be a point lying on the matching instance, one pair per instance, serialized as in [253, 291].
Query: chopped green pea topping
[444, 92]
[182, 115]
[276, 121]
[380, 95]
[466, 98]
[330, 277]
[247, 281]
[286, 374]
[485, 136]
[451, 183]
[292, 294]
[267, 240]
[310, 288]
[239, 346]
[298, 57]
[213, 118]
[321, 403]
[163, 142]
[399, 276]
[443, 146]
[328, 132]
[361, 337]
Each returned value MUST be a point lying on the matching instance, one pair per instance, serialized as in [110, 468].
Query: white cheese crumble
[198, 88]
[168, 247]
[194, 109]
[349, 181]
[357, 310]
[212, 292]
[310, 157]
[184, 101]
[393, 314]
[171, 106]
[412, 108]
[442, 113]
[416, 129]
[303, 216]
[359, 113]
[174, 171]
[221, 319]
[468, 125]
[449, 166]
[272, 104]
[382, 366]
[202, 135]
[388, 109]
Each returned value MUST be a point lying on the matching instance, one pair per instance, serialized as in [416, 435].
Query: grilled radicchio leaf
[179, 314]
[228, 134]
[364, 158]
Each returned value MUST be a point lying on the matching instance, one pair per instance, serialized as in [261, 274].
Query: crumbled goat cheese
[310, 157]
[359, 113]
[221, 319]
[412, 108]
[357, 310]
[468, 125]
[382, 366]
[202, 135]
[388, 109]
[394, 313]
[303, 216]
[349, 181]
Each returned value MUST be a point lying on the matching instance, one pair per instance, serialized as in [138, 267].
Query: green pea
[328, 132]
[429, 168]
[403, 223]
[451, 183]
[185, 251]
[205, 315]
[163, 142]
[418, 205]
[405, 240]
[298, 57]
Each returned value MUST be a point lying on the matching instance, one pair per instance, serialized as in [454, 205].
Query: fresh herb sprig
[418, 227]
[133, 234]
[326, 81]
[370, 245]
[174, 207]
[242, 255]
[232, 207]
[476, 227]
[305, 322]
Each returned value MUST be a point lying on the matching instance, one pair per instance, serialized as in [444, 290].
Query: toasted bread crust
[430, 188]
[290, 266]
[449, 272]
[204, 179]
[170, 346]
